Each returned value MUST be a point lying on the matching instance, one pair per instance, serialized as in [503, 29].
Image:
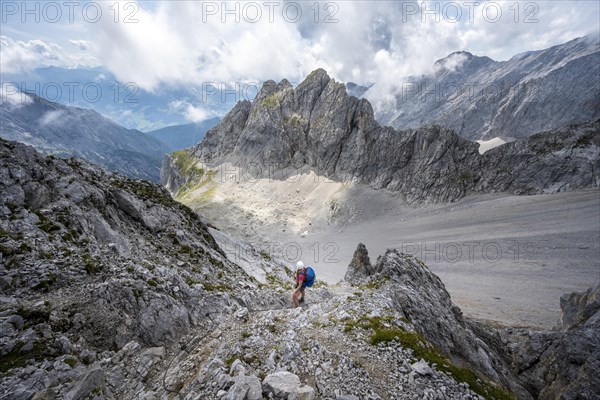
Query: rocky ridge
[100, 277]
[317, 126]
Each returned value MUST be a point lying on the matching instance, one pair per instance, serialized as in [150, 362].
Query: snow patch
[485, 145]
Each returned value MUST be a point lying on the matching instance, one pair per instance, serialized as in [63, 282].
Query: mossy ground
[187, 165]
[383, 330]
[18, 359]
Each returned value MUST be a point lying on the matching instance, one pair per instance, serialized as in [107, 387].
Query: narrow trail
[196, 342]
[325, 343]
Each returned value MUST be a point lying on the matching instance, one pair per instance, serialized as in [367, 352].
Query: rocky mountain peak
[317, 126]
[480, 98]
[318, 77]
[270, 87]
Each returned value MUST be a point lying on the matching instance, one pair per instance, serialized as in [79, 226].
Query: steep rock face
[480, 98]
[71, 131]
[548, 162]
[317, 126]
[563, 364]
[578, 308]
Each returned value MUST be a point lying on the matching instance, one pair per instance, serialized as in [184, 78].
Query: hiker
[305, 277]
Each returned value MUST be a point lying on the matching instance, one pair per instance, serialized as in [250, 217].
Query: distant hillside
[126, 103]
[179, 137]
[71, 131]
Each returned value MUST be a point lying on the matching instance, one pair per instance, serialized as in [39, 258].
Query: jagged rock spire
[360, 266]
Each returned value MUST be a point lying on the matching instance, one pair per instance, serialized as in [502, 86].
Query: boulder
[577, 308]
[283, 384]
[92, 380]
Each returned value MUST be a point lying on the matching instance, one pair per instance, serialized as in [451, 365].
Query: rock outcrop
[546, 365]
[318, 127]
[562, 364]
[360, 265]
[421, 297]
[480, 98]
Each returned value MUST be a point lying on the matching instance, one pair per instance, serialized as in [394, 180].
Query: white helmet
[300, 265]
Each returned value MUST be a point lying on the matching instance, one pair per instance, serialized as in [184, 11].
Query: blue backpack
[310, 276]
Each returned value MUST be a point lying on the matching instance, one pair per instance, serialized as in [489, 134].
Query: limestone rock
[93, 379]
[283, 384]
[360, 266]
[317, 126]
[577, 308]
[422, 368]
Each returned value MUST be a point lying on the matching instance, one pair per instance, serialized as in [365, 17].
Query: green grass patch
[45, 224]
[275, 282]
[45, 284]
[216, 287]
[422, 348]
[187, 165]
[271, 100]
[18, 359]
[368, 323]
[145, 190]
[200, 198]
[265, 255]
[32, 317]
[62, 325]
[90, 265]
[230, 360]
[71, 361]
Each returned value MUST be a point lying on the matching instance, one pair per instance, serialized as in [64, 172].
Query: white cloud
[176, 43]
[51, 118]
[17, 56]
[371, 42]
[189, 111]
[82, 45]
[11, 95]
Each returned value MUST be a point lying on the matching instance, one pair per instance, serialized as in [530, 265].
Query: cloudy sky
[190, 42]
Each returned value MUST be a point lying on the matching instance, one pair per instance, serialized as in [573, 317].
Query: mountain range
[126, 103]
[71, 131]
[317, 126]
[182, 136]
[480, 98]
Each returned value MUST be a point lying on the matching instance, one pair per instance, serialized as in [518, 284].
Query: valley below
[504, 259]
